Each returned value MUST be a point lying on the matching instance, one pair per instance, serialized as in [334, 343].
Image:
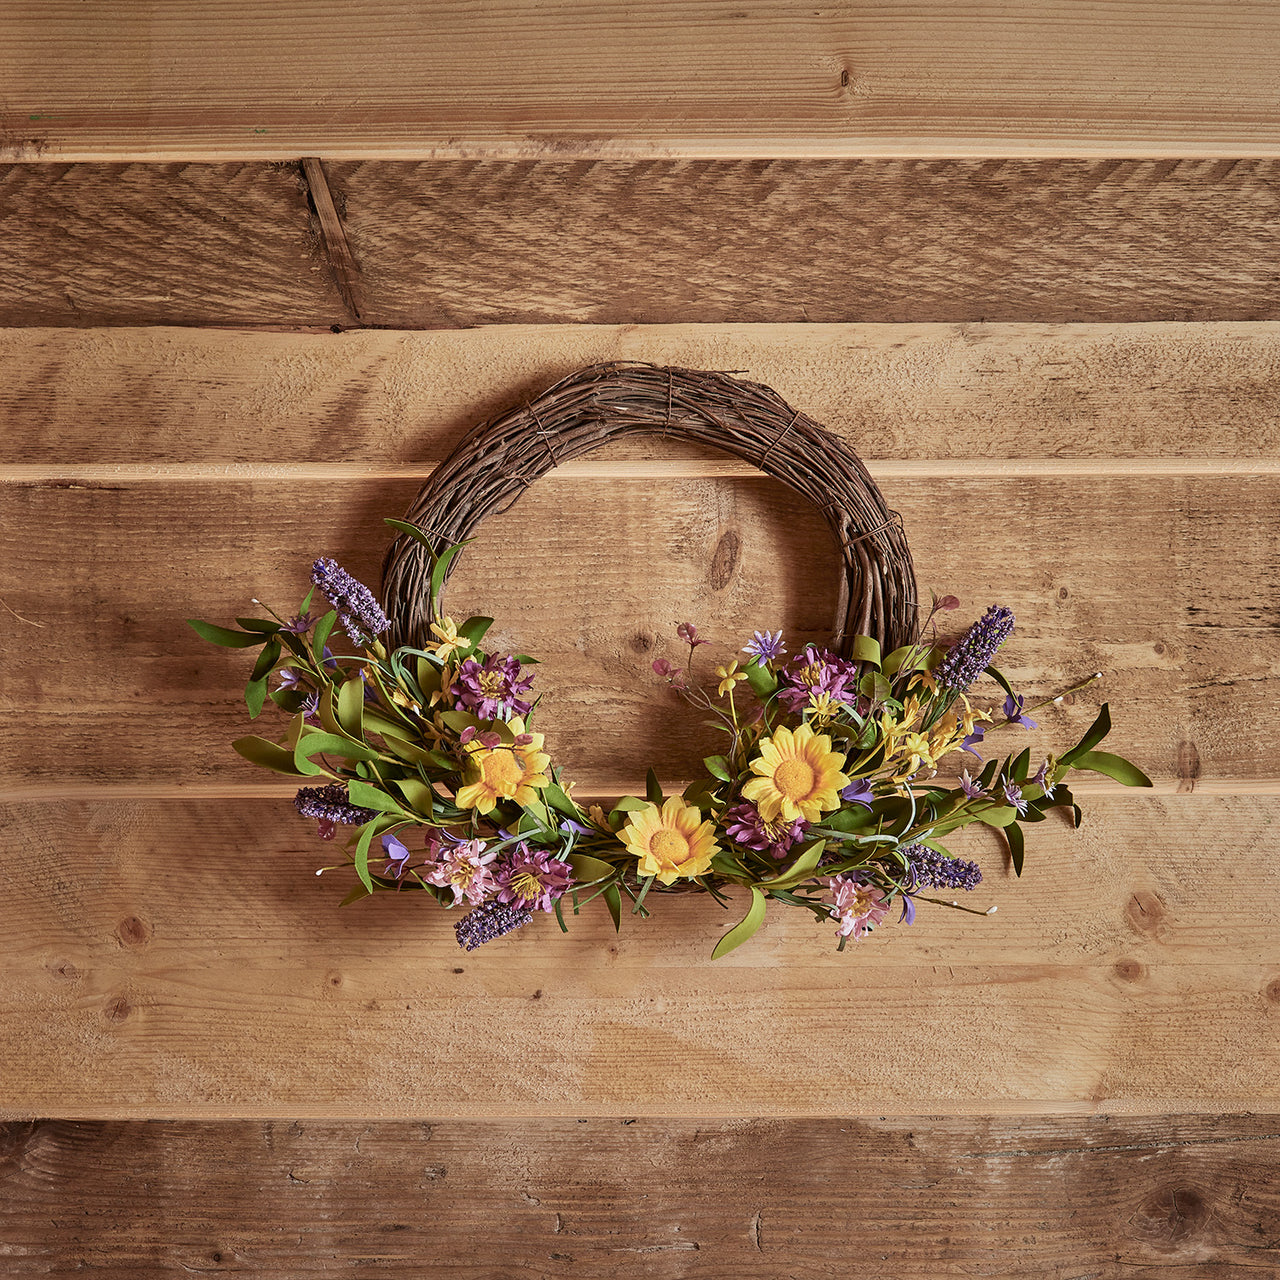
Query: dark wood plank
[112, 244]
[456, 243]
[1056, 1199]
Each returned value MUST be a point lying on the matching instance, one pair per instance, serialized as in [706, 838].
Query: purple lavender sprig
[330, 807]
[487, 922]
[931, 870]
[359, 614]
[971, 655]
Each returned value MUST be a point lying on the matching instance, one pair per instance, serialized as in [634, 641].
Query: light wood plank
[1055, 1198]
[168, 959]
[226, 244]
[456, 243]
[974, 395]
[233, 80]
[1151, 580]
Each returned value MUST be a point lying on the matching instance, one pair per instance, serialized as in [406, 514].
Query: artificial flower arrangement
[825, 796]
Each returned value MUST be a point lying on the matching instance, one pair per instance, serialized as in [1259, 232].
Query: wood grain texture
[454, 243]
[1157, 587]
[1051, 1198]
[180, 959]
[955, 397]
[425, 79]
[229, 244]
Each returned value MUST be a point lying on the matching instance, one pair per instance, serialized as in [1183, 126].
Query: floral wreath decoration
[826, 795]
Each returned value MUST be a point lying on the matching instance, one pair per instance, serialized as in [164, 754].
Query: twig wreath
[826, 796]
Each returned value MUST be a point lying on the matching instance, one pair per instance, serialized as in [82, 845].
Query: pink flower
[464, 868]
[859, 907]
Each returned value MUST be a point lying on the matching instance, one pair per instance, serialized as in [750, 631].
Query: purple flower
[1013, 711]
[299, 624]
[465, 869]
[330, 806]
[971, 788]
[931, 870]
[765, 647]
[858, 792]
[492, 689]
[744, 824]
[689, 634]
[1013, 794]
[359, 613]
[971, 655]
[488, 922]
[288, 679]
[397, 855]
[1041, 779]
[532, 878]
[976, 736]
[817, 671]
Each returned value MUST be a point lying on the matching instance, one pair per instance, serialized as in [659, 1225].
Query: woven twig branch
[497, 461]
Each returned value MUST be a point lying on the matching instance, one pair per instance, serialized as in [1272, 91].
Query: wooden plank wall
[218, 361]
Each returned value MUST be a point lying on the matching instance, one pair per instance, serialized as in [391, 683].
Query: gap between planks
[638, 469]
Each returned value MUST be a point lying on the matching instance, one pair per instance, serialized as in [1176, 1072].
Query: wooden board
[578, 78]
[951, 400]
[180, 959]
[915, 1198]
[457, 243]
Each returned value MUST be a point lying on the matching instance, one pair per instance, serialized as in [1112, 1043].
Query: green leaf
[762, 681]
[367, 796]
[653, 788]
[893, 663]
[999, 678]
[1017, 848]
[403, 526]
[407, 750]
[259, 624]
[701, 794]
[358, 891]
[350, 707]
[223, 636]
[718, 767]
[474, 629]
[1000, 817]
[1021, 766]
[267, 755]
[441, 567]
[561, 801]
[613, 900]
[588, 870]
[874, 685]
[726, 864]
[801, 869]
[315, 743]
[1116, 767]
[418, 793]
[255, 694]
[266, 659]
[866, 649]
[1093, 735]
[745, 928]
[320, 635]
[362, 853]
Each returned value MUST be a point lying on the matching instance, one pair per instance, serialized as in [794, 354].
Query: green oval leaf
[223, 636]
[1116, 767]
[267, 755]
[745, 928]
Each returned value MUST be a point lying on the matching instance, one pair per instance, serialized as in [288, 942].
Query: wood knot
[1171, 1215]
[1130, 970]
[1145, 911]
[1272, 991]
[116, 1010]
[1063, 593]
[641, 642]
[133, 932]
[65, 970]
[724, 560]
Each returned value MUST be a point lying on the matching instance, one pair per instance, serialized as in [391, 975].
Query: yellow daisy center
[502, 771]
[669, 846]
[794, 778]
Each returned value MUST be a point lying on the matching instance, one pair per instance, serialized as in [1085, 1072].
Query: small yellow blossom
[447, 631]
[822, 706]
[729, 676]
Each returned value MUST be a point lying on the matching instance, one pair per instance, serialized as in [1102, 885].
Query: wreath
[421, 741]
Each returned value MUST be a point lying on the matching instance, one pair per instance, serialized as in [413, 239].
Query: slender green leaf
[418, 793]
[801, 869]
[866, 649]
[316, 743]
[412, 530]
[613, 900]
[443, 561]
[653, 788]
[223, 636]
[1000, 817]
[718, 767]
[1021, 766]
[561, 801]
[588, 870]
[362, 854]
[367, 796]
[267, 755]
[255, 694]
[1093, 735]
[1116, 767]
[320, 636]
[358, 891]
[998, 676]
[350, 707]
[1017, 847]
[745, 928]
[474, 629]
[265, 625]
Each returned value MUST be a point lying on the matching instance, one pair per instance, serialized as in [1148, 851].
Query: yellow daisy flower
[798, 776]
[505, 772]
[672, 842]
[729, 676]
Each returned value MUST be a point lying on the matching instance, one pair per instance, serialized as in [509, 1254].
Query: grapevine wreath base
[421, 742]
